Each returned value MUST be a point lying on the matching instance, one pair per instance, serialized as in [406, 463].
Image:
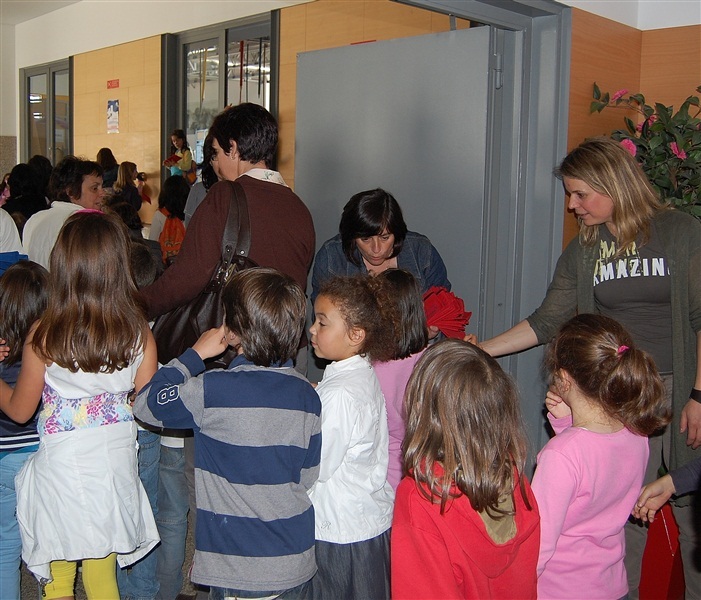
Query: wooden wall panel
[671, 64]
[664, 64]
[330, 24]
[137, 65]
[608, 53]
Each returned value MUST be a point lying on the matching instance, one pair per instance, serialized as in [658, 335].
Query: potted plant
[667, 144]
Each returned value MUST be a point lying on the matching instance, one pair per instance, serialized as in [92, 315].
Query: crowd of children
[295, 484]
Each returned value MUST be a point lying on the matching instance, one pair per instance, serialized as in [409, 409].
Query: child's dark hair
[266, 309]
[409, 320]
[24, 290]
[363, 303]
[173, 196]
[180, 134]
[144, 267]
[463, 414]
[600, 356]
[127, 213]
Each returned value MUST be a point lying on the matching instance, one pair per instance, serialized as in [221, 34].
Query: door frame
[48, 69]
[527, 138]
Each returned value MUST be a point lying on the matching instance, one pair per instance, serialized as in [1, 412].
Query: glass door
[248, 69]
[201, 91]
[61, 116]
[45, 107]
[220, 65]
[38, 114]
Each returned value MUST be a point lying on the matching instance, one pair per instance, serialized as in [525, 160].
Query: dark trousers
[353, 571]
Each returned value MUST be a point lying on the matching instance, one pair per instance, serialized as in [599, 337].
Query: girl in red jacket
[465, 523]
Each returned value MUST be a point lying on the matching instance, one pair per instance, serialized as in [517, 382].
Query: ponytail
[599, 355]
[633, 393]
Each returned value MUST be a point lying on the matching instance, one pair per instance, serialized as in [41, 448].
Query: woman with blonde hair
[124, 187]
[637, 261]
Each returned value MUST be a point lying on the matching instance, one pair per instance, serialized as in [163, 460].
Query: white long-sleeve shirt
[352, 499]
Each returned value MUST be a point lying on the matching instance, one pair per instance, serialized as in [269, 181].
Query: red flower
[680, 154]
[619, 94]
[630, 146]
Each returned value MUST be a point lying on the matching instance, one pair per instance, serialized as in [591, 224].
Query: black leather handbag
[179, 329]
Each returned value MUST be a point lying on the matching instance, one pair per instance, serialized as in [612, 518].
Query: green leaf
[663, 113]
[630, 125]
[677, 180]
[656, 141]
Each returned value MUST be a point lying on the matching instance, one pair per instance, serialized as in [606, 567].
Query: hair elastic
[622, 349]
[695, 394]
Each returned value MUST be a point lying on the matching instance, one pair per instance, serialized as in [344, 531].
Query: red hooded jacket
[453, 556]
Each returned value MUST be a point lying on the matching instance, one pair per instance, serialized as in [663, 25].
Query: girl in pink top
[411, 338]
[605, 397]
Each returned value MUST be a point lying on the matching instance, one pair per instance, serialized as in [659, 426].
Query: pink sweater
[393, 376]
[586, 485]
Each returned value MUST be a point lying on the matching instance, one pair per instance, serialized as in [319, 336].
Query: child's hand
[211, 343]
[653, 497]
[556, 407]
[471, 338]
[4, 350]
[433, 332]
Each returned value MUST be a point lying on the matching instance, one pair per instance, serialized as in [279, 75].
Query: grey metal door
[409, 116]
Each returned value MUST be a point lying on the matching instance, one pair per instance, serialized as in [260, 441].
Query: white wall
[644, 14]
[94, 24]
[8, 76]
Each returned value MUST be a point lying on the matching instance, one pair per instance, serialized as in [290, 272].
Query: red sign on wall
[112, 84]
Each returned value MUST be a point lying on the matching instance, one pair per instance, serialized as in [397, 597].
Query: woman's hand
[4, 350]
[653, 497]
[556, 407]
[211, 343]
[691, 422]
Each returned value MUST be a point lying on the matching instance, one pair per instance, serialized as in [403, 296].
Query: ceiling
[13, 12]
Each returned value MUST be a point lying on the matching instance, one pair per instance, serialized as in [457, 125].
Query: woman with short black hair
[373, 237]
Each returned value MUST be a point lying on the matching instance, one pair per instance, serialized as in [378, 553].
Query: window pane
[62, 113]
[248, 71]
[202, 91]
[37, 113]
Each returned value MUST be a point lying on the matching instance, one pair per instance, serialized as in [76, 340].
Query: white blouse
[352, 499]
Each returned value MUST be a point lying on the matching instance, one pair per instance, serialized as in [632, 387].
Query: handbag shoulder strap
[237, 233]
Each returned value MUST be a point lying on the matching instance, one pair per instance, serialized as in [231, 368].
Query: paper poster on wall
[113, 116]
